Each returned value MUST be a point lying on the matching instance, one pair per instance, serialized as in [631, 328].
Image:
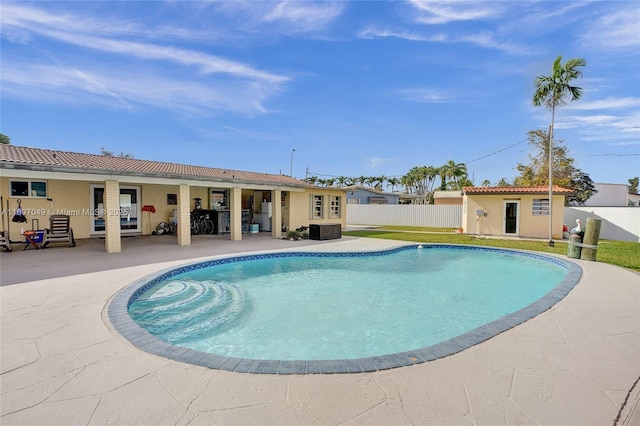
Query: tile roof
[85, 163]
[558, 190]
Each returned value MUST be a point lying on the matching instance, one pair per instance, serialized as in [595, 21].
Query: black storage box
[325, 231]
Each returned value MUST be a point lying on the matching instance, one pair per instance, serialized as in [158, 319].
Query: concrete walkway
[62, 363]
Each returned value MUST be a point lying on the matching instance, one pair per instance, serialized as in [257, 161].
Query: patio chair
[59, 231]
[4, 242]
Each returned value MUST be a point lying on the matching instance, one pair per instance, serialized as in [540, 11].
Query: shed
[513, 211]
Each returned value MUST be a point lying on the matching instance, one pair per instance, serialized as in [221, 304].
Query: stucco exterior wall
[299, 208]
[68, 197]
[530, 225]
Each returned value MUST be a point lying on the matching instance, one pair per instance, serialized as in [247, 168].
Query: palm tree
[551, 91]
[393, 182]
[453, 172]
[342, 180]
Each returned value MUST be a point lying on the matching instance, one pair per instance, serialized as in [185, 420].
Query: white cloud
[117, 88]
[607, 103]
[107, 68]
[303, 15]
[373, 162]
[615, 30]
[373, 32]
[425, 96]
[442, 12]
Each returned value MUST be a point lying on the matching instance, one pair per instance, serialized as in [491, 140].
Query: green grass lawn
[618, 253]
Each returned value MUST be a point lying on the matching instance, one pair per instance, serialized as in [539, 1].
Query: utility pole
[291, 172]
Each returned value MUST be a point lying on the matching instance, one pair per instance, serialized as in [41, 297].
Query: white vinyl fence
[618, 223]
[404, 215]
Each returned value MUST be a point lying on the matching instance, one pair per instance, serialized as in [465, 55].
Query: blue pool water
[334, 306]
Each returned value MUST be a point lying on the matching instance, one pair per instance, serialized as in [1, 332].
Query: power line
[496, 152]
[608, 155]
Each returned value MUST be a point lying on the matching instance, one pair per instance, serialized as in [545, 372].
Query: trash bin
[574, 247]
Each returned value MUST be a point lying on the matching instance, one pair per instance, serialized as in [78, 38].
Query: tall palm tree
[393, 182]
[551, 90]
[452, 172]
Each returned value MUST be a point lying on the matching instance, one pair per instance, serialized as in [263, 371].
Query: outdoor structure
[112, 196]
[512, 211]
[357, 194]
[447, 198]
[612, 195]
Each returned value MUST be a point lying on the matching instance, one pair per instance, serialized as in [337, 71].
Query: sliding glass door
[129, 211]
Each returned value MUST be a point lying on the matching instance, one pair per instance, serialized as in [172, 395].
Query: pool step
[189, 309]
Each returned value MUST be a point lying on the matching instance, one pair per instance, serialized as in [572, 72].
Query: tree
[633, 185]
[393, 182]
[551, 91]
[4, 139]
[582, 186]
[566, 175]
[452, 172]
[536, 173]
[108, 153]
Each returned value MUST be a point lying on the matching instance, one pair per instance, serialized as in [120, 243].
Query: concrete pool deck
[62, 362]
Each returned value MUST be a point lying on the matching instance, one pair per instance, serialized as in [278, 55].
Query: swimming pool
[338, 312]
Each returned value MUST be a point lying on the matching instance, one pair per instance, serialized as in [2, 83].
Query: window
[334, 208]
[540, 207]
[316, 207]
[28, 188]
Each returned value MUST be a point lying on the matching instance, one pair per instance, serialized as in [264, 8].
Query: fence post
[590, 241]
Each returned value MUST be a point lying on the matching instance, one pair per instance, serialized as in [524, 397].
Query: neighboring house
[512, 211]
[362, 195]
[611, 195]
[633, 200]
[113, 196]
[447, 198]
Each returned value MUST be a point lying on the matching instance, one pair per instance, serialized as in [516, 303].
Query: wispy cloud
[424, 96]
[607, 103]
[618, 29]
[284, 17]
[76, 85]
[442, 12]
[372, 32]
[173, 77]
[304, 16]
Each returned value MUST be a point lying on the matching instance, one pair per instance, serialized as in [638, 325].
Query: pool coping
[123, 323]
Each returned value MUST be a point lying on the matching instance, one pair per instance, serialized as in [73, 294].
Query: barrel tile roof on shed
[21, 155]
[515, 190]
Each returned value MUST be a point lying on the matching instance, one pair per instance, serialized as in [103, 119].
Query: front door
[511, 218]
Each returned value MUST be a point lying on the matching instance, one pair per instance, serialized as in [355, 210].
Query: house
[111, 196]
[362, 195]
[447, 198]
[513, 211]
[611, 195]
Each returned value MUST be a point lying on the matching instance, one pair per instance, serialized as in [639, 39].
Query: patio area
[63, 363]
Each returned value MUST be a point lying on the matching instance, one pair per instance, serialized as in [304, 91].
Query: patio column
[111, 200]
[184, 215]
[235, 198]
[276, 213]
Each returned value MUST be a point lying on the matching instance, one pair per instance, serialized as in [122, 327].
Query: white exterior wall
[608, 195]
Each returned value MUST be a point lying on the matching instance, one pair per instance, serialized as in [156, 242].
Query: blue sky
[356, 88]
